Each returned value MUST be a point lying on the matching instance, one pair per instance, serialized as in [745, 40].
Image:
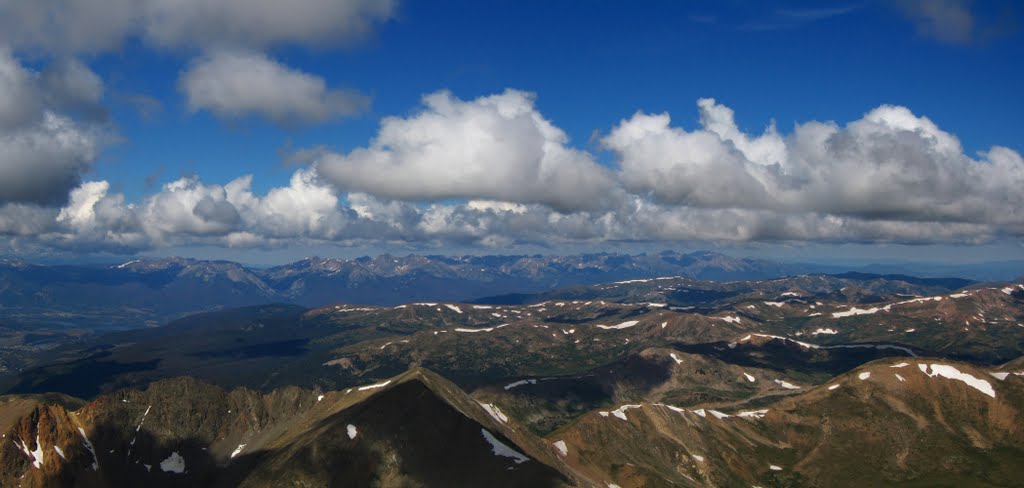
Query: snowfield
[952, 373]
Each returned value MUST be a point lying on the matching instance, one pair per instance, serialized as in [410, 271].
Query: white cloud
[306, 208]
[43, 151]
[91, 26]
[68, 26]
[480, 173]
[41, 162]
[237, 83]
[888, 165]
[186, 207]
[94, 217]
[496, 147]
[234, 78]
[261, 23]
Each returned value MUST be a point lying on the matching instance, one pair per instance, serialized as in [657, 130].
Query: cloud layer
[494, 171]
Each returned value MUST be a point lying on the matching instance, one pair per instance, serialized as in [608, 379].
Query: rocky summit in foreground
[918, 422]
[416, 429]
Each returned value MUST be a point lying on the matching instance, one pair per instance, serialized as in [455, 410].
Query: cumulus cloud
[261, 23]
[888, 165]
[43, 151]
[237, 83]
[90, 26]
[232, 79]
[495, 147]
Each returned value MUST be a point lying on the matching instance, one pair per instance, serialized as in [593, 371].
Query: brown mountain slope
[919, 422]
[654, 375]
[416, 429]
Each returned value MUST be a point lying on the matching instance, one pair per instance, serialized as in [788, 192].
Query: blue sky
[586, 67]
[590, 67]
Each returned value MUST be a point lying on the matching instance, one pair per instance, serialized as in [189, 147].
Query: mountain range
[847, 379]
[150, 292]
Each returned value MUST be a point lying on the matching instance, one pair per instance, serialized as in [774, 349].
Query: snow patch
[999, 375]
[749, 378]
[500, 449]
[454, 308]
[520, 383]
[774, 467]
[787, 385]
[482, 329]
[855, 311]
[621, 411]
[173, 464]
[865, 375]
[495, 412]
[625, 325]
[824, 331]
[378, 385]
[237, 451]
[675, 358]
[88, 445]
[833, 387]
[60, 452]
[352, 431]
[952, 373]
[699, 459]
[127, 264]
[562, 448]
[36, 454]
[899, 377]
[732, 320]
[756, 414]
[719, 415]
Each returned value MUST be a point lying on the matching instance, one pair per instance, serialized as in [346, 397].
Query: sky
[263, 131]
